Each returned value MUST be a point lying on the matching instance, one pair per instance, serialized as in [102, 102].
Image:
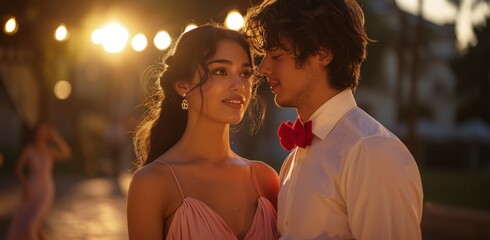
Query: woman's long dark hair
[164, 122]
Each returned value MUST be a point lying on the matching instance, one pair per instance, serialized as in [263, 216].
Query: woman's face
[226, 94]
[42, 133]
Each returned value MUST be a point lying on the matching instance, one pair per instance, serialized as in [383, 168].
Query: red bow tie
[291, 135]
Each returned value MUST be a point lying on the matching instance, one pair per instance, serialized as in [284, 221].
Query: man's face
[290, 83]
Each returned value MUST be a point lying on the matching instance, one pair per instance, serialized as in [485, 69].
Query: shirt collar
[327, 115]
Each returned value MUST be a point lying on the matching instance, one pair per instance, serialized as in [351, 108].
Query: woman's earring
[185, 104]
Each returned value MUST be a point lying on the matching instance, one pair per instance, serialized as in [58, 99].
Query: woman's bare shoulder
[152, 174]
[151, 193]
[263, 168]
[154, 180]
[264, 173]
[267, 180]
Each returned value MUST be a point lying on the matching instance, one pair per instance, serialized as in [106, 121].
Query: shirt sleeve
[382, 190]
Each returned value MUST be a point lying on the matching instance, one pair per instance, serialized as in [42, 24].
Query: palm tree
[461, 8]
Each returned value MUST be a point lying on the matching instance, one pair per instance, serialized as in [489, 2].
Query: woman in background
[38, 185]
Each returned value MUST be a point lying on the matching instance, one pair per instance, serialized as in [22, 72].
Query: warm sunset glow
[471, 13]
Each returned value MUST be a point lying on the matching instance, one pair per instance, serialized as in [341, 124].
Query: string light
[61, 33]
[162, 40]
[11, 26]
[190, 26]
[139, 42]
[234, 20]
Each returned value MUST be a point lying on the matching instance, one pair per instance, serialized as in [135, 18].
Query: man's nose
[265, 67]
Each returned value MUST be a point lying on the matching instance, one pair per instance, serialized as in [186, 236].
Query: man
[352, 178]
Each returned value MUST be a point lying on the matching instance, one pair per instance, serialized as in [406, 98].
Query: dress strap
[173, 174]
[254, 179]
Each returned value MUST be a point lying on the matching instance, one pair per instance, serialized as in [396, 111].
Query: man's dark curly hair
[308, 26]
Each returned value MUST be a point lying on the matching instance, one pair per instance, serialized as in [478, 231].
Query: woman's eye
[220, 72]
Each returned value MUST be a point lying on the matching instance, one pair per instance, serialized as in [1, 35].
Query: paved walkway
[84, 208]
[95, 208]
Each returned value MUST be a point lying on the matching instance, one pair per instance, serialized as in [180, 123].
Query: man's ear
[325, 56]
[182, 87]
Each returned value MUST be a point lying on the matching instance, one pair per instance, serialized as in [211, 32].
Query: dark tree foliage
[378, 30]
[473, 77]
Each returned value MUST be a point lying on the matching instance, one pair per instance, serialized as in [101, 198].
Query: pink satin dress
[195, 220]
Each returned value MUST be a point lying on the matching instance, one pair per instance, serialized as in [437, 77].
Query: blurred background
[79, 65]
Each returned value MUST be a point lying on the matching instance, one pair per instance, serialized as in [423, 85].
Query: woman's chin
[235, 120]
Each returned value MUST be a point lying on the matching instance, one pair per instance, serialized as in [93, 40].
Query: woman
[38, 186]
[192, 185]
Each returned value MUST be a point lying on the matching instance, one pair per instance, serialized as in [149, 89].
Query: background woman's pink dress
[30, 213]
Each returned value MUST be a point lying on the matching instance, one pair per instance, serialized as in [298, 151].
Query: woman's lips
[233, 103]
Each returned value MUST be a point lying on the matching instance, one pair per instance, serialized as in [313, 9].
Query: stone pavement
[453, 223]
[84, 208]
[95, 208]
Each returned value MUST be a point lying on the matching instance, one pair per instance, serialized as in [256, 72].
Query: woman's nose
[238, 84]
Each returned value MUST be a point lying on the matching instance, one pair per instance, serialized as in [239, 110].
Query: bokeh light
[234, 20]
[61, 33]
[62, 89]
[139, 42]
[97, 36]
[162, 40]
[11, 26]
[114, 37]
[189, 27]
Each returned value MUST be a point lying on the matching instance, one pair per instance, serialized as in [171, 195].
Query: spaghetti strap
[254, 180]
[175, 177]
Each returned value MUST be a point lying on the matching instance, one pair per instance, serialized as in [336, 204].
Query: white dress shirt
[355, 181]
